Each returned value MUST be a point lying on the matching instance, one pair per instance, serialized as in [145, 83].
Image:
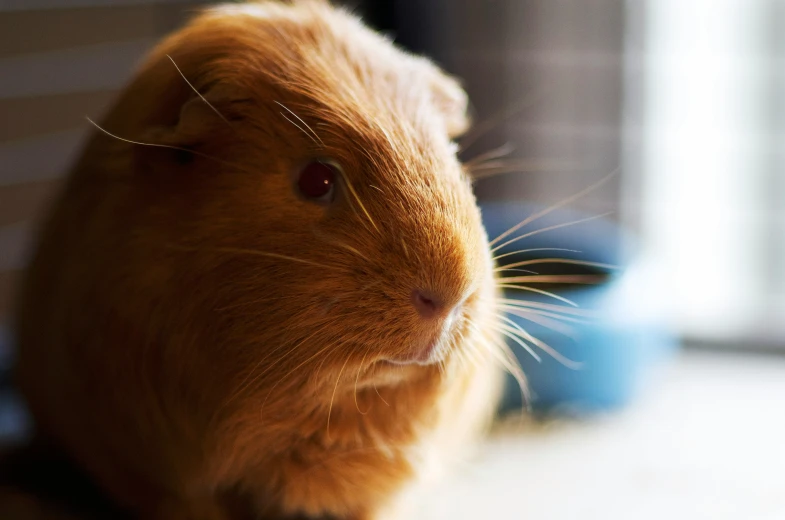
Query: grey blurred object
[14, 420]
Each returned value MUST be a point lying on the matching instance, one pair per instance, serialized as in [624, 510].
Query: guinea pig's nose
[427, 304]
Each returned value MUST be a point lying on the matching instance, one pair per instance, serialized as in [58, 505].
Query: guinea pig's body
[210, 336]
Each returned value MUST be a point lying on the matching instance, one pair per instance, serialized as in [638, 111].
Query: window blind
[60, 60]
[712, 187]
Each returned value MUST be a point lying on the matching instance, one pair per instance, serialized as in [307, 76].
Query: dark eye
[316, 181]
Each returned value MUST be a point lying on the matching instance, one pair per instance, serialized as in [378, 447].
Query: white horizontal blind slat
[34, 5]
[706, 158]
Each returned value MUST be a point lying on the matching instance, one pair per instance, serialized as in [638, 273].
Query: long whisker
[298, 367]
[538, 291]
[550, 228]
[511, 323]
[525, 313]
[521, 251]
[569, 363]
[520, 342]
[556, 261]
[380, 395]
[505, 268]
[487, 170]
[469, 354]
[547, 307]
[299, 127]
[332, 399]
[489, 124]
[254, 252]
[554, 207]
[326, 237]
[251, 377]
[502, 353]
[166, 146]
[197, 92]
[554, 278]
[519, 164]
[509, 362]
[550, 323]
[313, 136]
[352, 249]
[357, 378]
[495, 153]
[357, 198]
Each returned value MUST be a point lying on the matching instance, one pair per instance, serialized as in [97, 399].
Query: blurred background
[684, 98]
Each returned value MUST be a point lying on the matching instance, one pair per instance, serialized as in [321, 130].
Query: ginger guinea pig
[266, 291]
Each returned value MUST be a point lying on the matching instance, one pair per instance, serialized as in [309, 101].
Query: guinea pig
[265, 290]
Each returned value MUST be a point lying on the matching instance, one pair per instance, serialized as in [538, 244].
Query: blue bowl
[616, 348]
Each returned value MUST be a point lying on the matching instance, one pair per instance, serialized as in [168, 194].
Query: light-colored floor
[706, 441]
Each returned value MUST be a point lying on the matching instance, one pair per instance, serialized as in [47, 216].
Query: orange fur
[208, 345]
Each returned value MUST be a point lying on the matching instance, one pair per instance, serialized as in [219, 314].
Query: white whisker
[524, 313]
[548, 307]
[165, 146]
[554, 207]
[538, 291]
[550, 323]
[254, 252]
[332, 399]
[556, 261]
[546, 348]
[510, 253]
[357, 198]
[553, 278]
[313, 136]
[549, 228]
[299, 127]
[507, 331]
[356, 379]
[197, 92]
[495, 153]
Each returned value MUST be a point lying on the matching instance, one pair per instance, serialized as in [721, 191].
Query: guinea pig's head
[303, 212]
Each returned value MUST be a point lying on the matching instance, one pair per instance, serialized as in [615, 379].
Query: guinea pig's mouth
[429, 350]
[423, 356]
[433, 337]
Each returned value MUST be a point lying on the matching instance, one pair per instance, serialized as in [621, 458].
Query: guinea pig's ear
[189, 125]
[198, 122]
[451, 100]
